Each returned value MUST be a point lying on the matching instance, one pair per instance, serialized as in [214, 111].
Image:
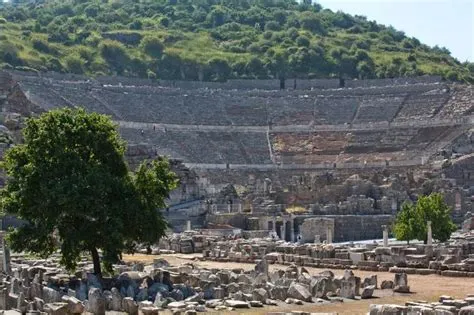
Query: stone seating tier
[155, 104]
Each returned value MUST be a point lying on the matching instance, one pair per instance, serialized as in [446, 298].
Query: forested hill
[211, 40]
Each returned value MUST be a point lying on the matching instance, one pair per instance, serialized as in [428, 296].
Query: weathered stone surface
[299, 291]
[178, 305]
[96, 300]
[293, 301]
[320, 286]
[371, 280]
[51, 295]
[56, 308]
[116, 302]
[387, 309]
[213, 303]
[75, 306]
[262, 267]
[386, 284]
[236, 304]
[256, 304]
[348, 285]
[149, 310]
[260, 295]
[129, 306]
[367, 292]
[401, 283]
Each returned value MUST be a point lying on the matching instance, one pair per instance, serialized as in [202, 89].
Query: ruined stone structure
[297, 161]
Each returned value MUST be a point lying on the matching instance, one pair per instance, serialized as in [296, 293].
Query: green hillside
[211, 40]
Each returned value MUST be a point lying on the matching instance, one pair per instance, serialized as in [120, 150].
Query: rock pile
[453, 259]
[446, 305]
[42, 286]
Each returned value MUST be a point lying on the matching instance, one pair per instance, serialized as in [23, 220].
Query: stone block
[56, 308]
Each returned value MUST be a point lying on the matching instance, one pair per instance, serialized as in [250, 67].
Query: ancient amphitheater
[308, 160]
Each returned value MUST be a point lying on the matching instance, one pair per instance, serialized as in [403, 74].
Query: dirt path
[427, 288]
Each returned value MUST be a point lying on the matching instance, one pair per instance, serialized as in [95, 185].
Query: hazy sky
[448, 23]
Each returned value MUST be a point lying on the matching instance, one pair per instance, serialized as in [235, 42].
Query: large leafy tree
[70, 182]
[411, 222]
[433, 208]
[403, 228]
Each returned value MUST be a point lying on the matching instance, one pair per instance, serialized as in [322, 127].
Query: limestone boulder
[401, 283]
[371, 280]
[387, 309]
[56, 308]
[75, 306]
[386, 284]
[116, 301]
[260, 295]
[50, 295]
[367, 292]
[320, 286]
[279, 293]
[96, 300]
[299, 291]
[129, 306]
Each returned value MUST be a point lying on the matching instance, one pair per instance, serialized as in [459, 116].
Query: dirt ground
[425, 288]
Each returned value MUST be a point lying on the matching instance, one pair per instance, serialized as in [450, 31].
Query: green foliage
[220, 69]
[74, 64]
[310, 21]
[192, 33]
[152, 46]
[115, 54]
[404, 223]
[70, 182]
[411, 222]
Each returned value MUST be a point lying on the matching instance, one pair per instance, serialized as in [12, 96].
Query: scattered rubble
[43, 286]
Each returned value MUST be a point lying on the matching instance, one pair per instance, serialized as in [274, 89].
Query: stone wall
[312, 227]
[346, 227]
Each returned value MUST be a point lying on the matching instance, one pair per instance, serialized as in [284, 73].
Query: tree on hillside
[70, 182]
[411, 221]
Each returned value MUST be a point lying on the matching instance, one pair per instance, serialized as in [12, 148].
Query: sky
[448, 23]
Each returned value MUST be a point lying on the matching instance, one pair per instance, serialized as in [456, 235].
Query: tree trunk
[96, 261]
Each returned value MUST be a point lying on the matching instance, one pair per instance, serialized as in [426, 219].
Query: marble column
[329, 235]
[429, 234]
[274, 225]
[188, 225]
[385, 236]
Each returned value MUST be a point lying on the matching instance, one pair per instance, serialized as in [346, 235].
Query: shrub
[452, 75]
[41, 45]
[74, 64]
[311, 22]
[115, 54]
[3, 20]
[9, 53]
[302, 41]
[152, 46]
[272, 26]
